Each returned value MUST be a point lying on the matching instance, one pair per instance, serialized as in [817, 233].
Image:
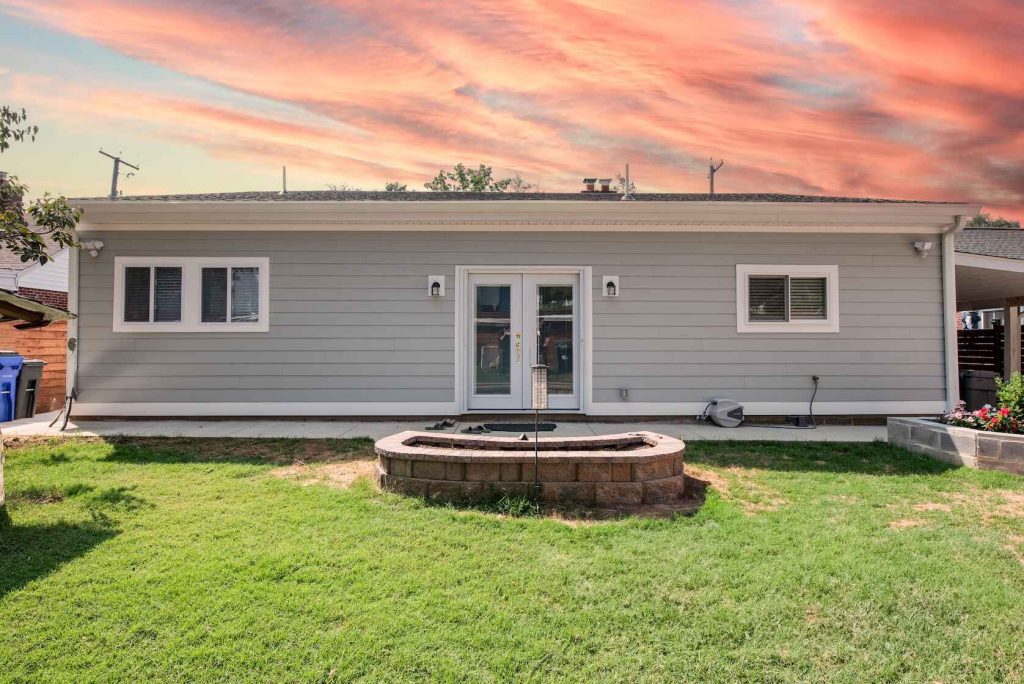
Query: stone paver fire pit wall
[624, 469]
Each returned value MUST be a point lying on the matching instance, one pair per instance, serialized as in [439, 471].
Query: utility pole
[117, 171]
[712, 170]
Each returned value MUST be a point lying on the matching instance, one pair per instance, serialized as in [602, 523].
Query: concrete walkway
[38, 426]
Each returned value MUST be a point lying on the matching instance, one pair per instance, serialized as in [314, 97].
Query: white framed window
[787, 299]
[191, 294]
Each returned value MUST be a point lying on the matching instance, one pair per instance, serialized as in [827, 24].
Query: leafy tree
[517, 184]
[987, 221]
[461, 179]
[51, 217]
[395, 186]
[14, 126]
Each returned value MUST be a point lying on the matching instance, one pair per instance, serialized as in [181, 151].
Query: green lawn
[196, 561]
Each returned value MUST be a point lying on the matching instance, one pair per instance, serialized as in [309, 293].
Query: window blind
[767, 298]
[245, 294]
[215, 295]
[167, 293]
[136, 294]
[807, 299]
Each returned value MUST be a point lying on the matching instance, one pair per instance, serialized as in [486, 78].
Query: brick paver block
[483, 472]
[594, 472]
[619, 493]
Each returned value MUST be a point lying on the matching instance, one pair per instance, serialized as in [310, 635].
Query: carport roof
[994, 242]
[989, 268]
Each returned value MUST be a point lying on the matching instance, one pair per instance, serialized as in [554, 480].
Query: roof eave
[441, 215]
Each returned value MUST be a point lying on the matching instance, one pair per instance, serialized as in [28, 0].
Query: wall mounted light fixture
[93, 247]
[923, 247]
[435, 285]
[610, 286]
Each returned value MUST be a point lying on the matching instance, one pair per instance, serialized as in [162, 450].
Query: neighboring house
[47, 284]
[388, 304]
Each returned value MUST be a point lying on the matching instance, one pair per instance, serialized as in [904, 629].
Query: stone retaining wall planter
[611, 470]
[959, 445]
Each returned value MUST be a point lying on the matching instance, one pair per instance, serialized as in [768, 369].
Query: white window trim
[745, 325]
[191, 294]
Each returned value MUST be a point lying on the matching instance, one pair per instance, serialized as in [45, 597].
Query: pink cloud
[907, 99]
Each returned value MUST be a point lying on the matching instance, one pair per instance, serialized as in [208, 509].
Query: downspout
[949, 309]
[71, 378]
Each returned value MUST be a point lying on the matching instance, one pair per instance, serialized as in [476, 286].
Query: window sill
[122, 327]
[805, 328]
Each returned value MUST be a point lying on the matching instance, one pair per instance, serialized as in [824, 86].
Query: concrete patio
[319, 429]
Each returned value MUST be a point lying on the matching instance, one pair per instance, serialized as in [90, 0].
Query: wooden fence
[981, 350]
[48, 343]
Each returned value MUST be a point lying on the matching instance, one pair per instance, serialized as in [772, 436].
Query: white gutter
[949, 309]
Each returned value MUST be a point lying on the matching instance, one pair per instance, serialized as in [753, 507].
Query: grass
[174, 560]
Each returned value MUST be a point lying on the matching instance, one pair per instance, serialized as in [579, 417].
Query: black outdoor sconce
[611, 286]
[435, 285]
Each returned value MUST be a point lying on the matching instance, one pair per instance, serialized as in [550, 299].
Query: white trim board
[264, 409]
[383, 409]
[772, 408]
[515, 215]
[989, 262]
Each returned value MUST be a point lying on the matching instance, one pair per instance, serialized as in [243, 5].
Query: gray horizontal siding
[350, 320]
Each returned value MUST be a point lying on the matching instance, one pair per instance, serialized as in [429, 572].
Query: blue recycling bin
[10, 367]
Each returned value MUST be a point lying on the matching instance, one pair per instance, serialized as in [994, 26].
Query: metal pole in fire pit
[539, 375]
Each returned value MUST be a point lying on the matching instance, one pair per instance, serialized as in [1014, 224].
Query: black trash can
[977, 388]
[28, 387]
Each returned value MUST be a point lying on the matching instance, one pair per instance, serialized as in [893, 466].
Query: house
[397, 304]
[46, 284]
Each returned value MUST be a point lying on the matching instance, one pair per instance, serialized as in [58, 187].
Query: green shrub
[1011, 394]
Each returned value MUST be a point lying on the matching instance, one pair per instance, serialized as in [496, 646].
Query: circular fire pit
[612, 470]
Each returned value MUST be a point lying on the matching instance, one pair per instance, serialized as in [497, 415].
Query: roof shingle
[995, 242]
[378, 196]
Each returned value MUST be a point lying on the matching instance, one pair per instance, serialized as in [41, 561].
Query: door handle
[519, 348]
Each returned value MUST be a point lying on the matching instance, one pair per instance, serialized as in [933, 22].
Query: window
[191, 294]
[793, 298]
[152, 294]
[236, 298]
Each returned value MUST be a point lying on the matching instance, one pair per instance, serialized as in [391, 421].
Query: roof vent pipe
[284, 180]
[627, 189]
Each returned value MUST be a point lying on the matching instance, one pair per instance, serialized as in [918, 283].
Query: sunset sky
[919, 99]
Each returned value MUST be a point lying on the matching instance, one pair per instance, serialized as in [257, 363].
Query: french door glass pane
[555, 336]
[215, 295]
[167, 293]
[492, 340]
[136, 294]
[245, 294]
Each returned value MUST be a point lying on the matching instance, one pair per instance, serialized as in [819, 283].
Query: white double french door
[515, 321]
